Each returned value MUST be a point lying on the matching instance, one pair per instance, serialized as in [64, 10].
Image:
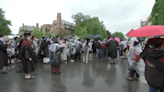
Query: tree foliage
[118, 34]
[63, 32]
[47, 34]
[38, 34]
[158, 13]
[4, 24]
[86, 25]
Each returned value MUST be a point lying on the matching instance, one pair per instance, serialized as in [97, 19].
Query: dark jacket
[3, 54]
[112, 48]
[154, 70]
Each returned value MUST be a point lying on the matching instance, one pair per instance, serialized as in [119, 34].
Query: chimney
[37, 25]
[59, 18]
[58, 24]
[23, 27]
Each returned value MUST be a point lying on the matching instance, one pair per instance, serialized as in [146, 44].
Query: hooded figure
[133, 59]
[153, 56]
[55, 56]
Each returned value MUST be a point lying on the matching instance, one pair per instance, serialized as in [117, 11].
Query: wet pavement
[96, 76]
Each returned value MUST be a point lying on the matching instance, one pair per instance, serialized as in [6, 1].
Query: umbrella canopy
[129, 32]
[116, 38]
[151, 30]
[89, 36]
[97, 36]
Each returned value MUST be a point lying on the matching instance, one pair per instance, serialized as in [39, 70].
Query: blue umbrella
[97, 36]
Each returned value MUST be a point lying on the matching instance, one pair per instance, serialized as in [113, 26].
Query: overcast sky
[118, 15]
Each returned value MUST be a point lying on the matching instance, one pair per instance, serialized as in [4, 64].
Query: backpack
[103, 46]
[98, 45]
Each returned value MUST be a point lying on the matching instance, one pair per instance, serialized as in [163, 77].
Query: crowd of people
[27, 51]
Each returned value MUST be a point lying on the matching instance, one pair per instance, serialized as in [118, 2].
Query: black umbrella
[89, 36]
[97, 36]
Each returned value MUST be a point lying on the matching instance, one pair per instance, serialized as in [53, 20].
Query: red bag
[103, 46]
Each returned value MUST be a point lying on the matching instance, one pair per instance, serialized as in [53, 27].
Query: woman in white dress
[64, 52]
[86, 49]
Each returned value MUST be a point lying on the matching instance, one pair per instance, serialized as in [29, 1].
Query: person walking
[153, 55]
[133, 59]
[124, 50]
[55, 56]
[26, 54]
[3, 53]
[112, 50]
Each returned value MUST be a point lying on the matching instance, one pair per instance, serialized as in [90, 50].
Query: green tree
[158, 13]
[92, 25]
[47, 34]
[38, 34]
[118, 34]
[25, 31]
[4, 24]
[81, 32]
[63, 33]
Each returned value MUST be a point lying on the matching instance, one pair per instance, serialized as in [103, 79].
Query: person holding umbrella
[112, 50]
[86, 49]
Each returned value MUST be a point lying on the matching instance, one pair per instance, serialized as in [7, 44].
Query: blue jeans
[100, 54]
[104, 53]
[152, 89]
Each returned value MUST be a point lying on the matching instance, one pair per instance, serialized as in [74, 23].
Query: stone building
[58, 26]
[27, 28]
[147, 22]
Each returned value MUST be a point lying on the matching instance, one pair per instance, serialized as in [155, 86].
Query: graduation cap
[1, 35]
[27, 34]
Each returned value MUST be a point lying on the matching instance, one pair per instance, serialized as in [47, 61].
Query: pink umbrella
[116, 38]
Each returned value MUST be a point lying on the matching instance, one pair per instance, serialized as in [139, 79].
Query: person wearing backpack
[104, 50]
[86, 48]
[100, 50]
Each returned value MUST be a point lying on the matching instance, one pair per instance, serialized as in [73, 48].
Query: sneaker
[3, 72]
[130, 79]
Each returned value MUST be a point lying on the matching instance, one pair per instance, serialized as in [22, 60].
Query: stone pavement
[96, 76]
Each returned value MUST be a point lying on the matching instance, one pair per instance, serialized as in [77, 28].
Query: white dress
[64, 53]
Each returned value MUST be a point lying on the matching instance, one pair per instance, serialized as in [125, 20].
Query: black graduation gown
[28, 66]
[3, 55]
[44, 48]
[112, 48]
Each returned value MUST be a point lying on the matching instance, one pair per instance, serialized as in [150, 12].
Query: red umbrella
[129, 32]
[151, 30]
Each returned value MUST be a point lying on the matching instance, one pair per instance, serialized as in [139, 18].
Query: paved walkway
[97, 76]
